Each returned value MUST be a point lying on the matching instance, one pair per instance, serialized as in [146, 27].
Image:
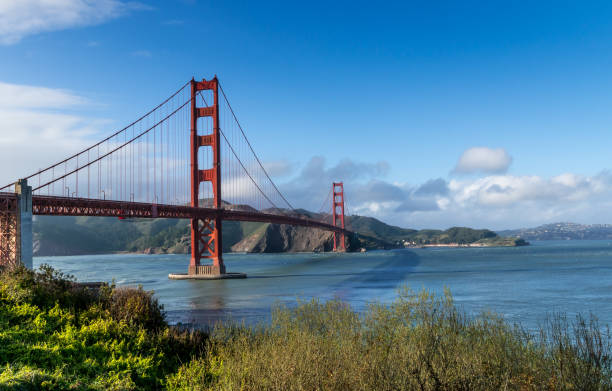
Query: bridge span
[151, 169]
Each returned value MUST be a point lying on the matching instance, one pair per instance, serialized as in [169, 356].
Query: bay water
[524, 284]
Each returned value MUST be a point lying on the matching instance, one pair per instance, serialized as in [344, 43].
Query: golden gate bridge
[187, 158]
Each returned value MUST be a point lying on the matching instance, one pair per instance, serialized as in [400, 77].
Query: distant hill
[376, 229]
[92, 235]
[562, 231]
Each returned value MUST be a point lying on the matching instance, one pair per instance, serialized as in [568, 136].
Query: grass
[55, 334]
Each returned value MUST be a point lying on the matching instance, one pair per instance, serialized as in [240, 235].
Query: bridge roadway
[70, 206]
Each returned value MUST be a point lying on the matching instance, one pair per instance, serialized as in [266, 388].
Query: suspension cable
[106, 139]
[240, 162]
[322, 208]
[116, 149]
[251, 148]
[246, 171]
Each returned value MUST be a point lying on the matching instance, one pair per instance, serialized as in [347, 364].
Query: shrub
[197, 375]
[136, 307]
[419, 342]
[45, 288]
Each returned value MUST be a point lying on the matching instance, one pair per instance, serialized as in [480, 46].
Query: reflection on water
[522, 283]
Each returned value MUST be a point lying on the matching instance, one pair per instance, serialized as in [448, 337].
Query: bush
[45, 288]
[419, 342]
[136, 307]
[56, 335]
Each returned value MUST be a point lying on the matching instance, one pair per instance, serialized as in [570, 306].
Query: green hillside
[460, 235]
[91, 235]
[369, 226]
[376, 229]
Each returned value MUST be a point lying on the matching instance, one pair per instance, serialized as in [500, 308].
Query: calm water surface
[522, 283]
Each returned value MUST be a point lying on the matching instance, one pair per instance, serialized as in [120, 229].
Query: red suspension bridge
[187, 158]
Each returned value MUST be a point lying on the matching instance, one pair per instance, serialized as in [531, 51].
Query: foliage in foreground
[55, 334]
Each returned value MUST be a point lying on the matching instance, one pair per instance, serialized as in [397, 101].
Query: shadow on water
[306, 275]
[353, 277]
[393, 269]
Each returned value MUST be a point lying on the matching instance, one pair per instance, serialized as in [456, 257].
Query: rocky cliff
[272, 238]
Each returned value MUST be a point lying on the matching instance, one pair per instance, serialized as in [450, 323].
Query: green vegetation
[90, 235]
[56, 334]
[503, 241]
[375, 234]
[460, 235]
[376, 229]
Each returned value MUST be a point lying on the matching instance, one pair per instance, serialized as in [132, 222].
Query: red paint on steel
[205, 233]
[9, 248]
[70, 206]
[338, 215]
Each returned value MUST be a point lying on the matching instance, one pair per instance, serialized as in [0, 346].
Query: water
[521, 283]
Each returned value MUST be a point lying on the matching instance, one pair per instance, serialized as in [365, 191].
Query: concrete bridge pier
[24, 223]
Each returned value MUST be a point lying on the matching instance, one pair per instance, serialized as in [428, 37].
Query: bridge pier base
[212, 270]
[216, 271]
[220, 276]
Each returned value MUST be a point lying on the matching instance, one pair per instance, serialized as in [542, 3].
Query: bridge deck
[68, 206]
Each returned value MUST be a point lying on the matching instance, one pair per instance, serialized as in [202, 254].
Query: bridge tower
[16, 226]
[206, 241]
[338, 215]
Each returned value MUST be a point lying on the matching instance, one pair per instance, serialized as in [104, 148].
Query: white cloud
[496, 201]
[508, 190]
[312, 185]
[33, 134]
[21, 18]
[483, 160]
[15, 96]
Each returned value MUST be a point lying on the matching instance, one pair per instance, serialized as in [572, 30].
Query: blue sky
[487, 97]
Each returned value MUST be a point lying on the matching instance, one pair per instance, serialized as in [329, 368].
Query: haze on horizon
[481, 114]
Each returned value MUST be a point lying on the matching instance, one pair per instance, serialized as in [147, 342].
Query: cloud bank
[493, 201]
